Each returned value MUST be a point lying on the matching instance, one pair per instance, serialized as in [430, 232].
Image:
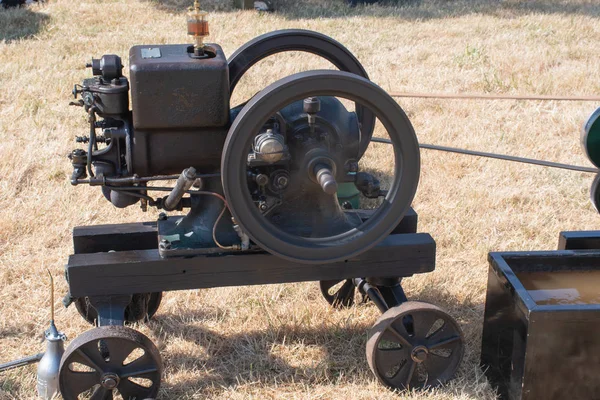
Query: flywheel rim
[354, 241]
[316, 43]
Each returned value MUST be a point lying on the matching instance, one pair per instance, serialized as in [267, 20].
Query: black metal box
[171, 89]
[541, 334]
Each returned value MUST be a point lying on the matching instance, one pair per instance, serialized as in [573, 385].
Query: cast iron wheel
[341, 246]
[414, 345]
[103, 361]
[338, 296]
[316, 43]
[135, 311]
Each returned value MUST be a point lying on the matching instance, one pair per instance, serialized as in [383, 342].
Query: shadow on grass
[402, 9]
[335, 352]
[20, 23]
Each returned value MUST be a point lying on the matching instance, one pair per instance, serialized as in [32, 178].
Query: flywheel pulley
[319, 231]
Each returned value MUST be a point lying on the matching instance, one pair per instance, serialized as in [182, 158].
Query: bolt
[162, 216]
[263, 206]
[262, 179]
[165, 244]
[419, 354]
[351, 166]
[110, 381]
[281, 182]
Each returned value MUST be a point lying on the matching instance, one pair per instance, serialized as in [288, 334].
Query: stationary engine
[263, 175]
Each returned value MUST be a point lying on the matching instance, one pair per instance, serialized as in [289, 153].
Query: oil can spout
[48, 368]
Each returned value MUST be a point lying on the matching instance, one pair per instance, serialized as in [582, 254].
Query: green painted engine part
[590, 138]
[347, 192]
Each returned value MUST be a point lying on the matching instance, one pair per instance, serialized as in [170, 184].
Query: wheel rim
[106, 360]
[342, 296]
[415, 345]
[316, 43]
[353, 241]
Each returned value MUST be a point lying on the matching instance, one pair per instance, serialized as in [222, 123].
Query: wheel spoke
[79, 382]
[447, 330]
[343, 295]
[387, 359]
[436, 366]
[119, 349]
[139, 370]
[102, 393]
[132, 391]
[90, 355]
[404, 376]
[399, 333]
[447, 343]
[422, 323]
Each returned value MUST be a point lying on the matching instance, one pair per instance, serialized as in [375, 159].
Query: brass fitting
[197, 25]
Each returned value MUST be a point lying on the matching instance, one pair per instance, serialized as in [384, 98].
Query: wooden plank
[143, 236]
[408, 224]
[138, 271]
[115, 237]
[579, 240]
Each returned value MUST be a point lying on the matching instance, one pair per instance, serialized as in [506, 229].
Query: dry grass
[284, 341]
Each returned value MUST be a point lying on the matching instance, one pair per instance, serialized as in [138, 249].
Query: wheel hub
[419, 354]
[110, 381]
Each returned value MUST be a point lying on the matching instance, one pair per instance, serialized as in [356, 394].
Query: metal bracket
[111, 309]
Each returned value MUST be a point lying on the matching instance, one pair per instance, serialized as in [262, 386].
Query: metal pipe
[21, 362]
[183, 184]
[372, 292]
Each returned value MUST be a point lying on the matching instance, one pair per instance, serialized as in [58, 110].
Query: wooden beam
[143, 235]
[142, 271]
[115, 237]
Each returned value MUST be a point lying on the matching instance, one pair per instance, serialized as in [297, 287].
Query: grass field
[285, 342]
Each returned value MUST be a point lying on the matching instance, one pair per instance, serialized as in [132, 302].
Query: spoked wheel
[414, 345]
[338, 293]
[143, 306]
[294, 212]
[107, 361]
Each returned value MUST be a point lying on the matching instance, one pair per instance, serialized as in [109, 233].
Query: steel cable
[500, 157]
[467, 96]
